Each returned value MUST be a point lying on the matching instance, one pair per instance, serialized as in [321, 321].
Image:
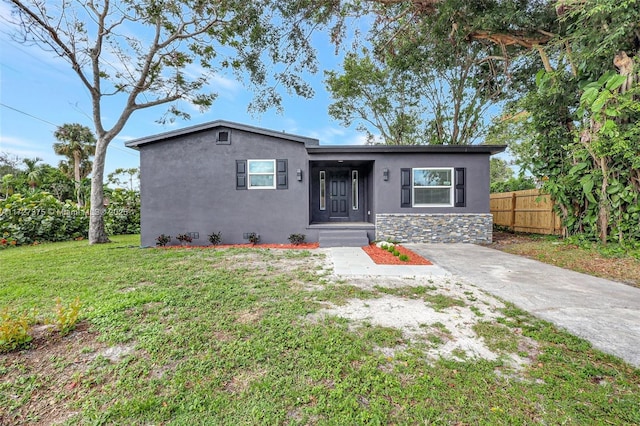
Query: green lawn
[224, 337]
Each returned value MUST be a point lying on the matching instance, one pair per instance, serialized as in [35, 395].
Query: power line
[28, 115]
[55, 125]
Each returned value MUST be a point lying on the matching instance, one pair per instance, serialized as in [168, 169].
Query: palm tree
[34, 172]
[77, 143]
[7, 184]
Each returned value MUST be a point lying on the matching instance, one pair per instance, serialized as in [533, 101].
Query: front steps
[343, 238]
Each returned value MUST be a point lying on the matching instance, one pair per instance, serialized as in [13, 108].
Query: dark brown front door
[339, 195]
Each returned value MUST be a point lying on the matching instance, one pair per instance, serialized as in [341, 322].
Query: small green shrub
[215, 238]
[38, 217]
[184, 238]
[391, 249]
[396, 253]
[297, 239]
[67, 316]
[403, 257]
[162, 240]
[14, 330]
[253, 237]
[122, 216]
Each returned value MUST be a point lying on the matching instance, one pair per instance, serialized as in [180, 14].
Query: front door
[339, 195]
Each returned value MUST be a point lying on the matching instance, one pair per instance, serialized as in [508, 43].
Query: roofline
[369, 149]
[136, 143]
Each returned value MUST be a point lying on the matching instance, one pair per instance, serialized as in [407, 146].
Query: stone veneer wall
[435, 228]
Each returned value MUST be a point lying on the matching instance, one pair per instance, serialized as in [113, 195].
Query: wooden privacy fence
[525, 211]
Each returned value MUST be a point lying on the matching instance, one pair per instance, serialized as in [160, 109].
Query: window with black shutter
[281, 174]
[241, 174]
[405, 187]
[460, 187]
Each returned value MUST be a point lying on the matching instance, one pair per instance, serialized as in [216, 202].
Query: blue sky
[39, 92]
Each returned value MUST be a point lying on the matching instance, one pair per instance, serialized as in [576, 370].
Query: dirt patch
[443, 332]
[383, 257]
[58, 364]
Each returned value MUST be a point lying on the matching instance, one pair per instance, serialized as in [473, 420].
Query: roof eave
[137, 143]
[446, 149]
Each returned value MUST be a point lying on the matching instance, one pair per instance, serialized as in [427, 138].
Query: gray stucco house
[237, 179]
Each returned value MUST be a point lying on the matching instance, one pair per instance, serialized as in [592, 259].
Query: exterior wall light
[299, 174]
[385, 174]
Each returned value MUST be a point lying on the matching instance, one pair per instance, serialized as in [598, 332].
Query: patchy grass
[437, 301]
[612, 261]
[222, 337]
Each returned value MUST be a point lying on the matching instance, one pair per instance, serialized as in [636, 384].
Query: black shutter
[241, 174]
[459, 189]
[405, 187]
[281, 174]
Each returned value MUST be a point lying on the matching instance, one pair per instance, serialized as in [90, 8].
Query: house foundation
[476, 228]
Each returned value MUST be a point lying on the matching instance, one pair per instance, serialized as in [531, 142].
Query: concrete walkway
[606, 313]
[353, 261]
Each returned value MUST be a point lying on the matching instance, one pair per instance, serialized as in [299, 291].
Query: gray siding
[386, 194]
[188, 184]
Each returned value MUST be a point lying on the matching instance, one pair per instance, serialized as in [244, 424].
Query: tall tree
[381, 100]
[584, 120]
[453, 59]
[145, 53]
[125, 178]
[34, 172]
[77, 143]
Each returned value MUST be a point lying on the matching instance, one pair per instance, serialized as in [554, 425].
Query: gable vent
[223, 137]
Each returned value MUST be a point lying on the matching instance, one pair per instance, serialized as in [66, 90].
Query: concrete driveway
[606, 313]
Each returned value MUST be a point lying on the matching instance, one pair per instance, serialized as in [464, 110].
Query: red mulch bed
[383, 257]
[303, 246]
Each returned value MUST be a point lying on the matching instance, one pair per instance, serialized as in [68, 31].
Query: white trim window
[354, 189]
[432, 187]
[261, 174]
[323, 190]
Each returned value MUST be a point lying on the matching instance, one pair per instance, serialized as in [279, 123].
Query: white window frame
[355, 190]
[249, 174]
[451, 187]
[323, 190]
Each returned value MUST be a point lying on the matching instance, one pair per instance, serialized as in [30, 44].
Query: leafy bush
[162, 240]
[403, 257]
[396, 252]
[184, 238]
[513, 184]
[38, 217]
[66, 316]
[215, 238]
[14, 330]
[122, 215]
[297, 239]
[253, 237]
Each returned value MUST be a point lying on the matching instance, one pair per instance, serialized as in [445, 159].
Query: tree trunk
[97, 233]
[603, 213]
[76, 176]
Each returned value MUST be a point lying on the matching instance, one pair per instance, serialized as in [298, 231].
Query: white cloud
[25, 149]
[329, 135]
[12, 142]
[358, 139]
[126, 138]
[218, 82]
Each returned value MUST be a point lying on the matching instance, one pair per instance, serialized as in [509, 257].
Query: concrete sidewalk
[353, 261]
[606, 313]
